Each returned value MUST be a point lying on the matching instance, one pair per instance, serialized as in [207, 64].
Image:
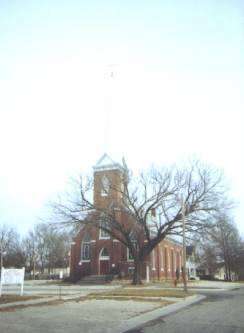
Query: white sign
[12, 276]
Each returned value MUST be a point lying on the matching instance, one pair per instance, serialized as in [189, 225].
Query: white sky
[177, 92]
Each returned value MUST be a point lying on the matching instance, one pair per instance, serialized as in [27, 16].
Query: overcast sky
[176, 91]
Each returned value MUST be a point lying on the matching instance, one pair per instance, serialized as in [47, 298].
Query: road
[220, 312]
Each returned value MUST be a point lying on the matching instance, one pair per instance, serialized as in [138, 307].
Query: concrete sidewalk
[197, 285]
[140, 320]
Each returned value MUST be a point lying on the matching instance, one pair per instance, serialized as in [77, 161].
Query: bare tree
[11, 254]
[225, 242]
[46, 247]
[150, 208]
[29, 245]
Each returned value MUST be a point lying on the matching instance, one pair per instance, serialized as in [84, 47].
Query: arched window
[105, 186]
[86, 248]
[135, 245]
[104, 253]
[103, 233]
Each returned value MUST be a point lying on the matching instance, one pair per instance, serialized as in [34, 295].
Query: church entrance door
[104, 267]
[104, 262]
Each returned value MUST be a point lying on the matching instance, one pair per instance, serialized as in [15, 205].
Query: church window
[129, 254]
[104, 234]
[86, 248]
[104, 253]
[105, 186]
[135, 246]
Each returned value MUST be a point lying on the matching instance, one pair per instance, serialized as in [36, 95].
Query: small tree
[155, 192]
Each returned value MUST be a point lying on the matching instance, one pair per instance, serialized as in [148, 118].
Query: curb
[140, 320]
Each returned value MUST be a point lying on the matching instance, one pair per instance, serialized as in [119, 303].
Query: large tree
[151, 206]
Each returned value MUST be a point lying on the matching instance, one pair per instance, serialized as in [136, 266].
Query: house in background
[95, 252]
[191, 265]
[220, 273]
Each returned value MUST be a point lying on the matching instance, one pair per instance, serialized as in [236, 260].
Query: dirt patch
[16, 298]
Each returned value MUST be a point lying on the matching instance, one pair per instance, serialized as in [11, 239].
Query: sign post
[12, 276]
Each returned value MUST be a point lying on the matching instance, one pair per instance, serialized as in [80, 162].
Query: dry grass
[130, 298]
[16, 298]
[141, 293]
[23, 306]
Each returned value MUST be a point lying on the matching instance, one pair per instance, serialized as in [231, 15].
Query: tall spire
[110, 76]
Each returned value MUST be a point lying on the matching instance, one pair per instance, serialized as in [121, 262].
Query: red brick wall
[163, 266]
[166, 254]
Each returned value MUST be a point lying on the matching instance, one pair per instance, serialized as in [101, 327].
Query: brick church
[95, 252]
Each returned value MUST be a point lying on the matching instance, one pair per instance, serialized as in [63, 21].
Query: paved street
[220, 312]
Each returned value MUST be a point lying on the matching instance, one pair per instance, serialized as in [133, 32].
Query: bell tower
[108, 182]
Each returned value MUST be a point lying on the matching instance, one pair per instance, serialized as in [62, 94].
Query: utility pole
[184, 244]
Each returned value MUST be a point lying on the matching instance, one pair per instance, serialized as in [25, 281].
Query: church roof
[106, 163]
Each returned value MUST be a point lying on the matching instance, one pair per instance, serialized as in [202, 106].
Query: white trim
[93, 241]
[115, 240]
[104, 258]
[169, 261]
[161, 258]
[85, 260]
[108, 168]
[153, 260]
[106, 163]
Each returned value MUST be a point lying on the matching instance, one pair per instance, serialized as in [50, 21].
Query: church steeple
[108, 181]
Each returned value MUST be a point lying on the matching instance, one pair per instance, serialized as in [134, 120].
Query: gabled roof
[106, 163]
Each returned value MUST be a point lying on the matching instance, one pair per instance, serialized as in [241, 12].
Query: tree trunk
[226, 271]
[137, 272]
[229, 273]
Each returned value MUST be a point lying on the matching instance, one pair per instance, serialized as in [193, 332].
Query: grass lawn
[16, 298]
[141, 293]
